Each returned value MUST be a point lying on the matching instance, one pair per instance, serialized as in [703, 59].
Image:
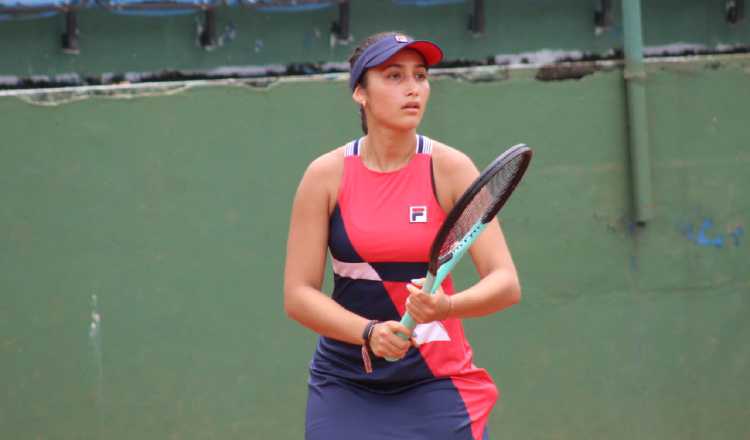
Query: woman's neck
[388, 150]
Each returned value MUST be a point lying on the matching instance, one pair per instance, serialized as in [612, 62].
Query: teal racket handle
[430, 286]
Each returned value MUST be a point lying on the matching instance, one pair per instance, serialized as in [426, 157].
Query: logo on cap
[401, 38]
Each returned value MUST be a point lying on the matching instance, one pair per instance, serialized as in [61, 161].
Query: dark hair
[369, 41]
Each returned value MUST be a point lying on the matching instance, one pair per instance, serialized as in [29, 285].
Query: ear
[359, 95]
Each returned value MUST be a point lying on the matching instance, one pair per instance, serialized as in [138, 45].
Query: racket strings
[468, 218]
[487, 199]
[502, 183]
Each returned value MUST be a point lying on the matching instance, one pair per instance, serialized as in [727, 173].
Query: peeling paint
[539, 58]
[688, 49]
[564, 72]
[475, 75]
[55, 97]
[67, 88]
[553, 65]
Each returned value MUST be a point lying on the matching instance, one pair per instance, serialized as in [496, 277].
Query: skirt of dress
[430, 410]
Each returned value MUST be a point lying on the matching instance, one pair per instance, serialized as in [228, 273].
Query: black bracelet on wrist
[366, 349]
[367, 332]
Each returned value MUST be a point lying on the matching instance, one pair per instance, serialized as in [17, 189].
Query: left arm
[498, 287]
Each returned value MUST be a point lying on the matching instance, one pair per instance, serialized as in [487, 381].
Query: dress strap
[352, 148]
[424, 145]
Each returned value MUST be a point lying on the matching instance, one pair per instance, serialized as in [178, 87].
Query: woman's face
[397, 91]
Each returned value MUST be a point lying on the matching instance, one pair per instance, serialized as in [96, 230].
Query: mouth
[411, 106]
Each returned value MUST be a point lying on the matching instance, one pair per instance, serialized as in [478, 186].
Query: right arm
[305, 265]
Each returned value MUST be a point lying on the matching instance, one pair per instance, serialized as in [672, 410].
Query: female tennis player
[376, 204]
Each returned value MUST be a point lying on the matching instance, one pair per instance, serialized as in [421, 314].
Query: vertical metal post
[208, 33]
[476, 19]
[734, 11]
[602, 16]
[340, 28]
[70, 37]
[638, 134]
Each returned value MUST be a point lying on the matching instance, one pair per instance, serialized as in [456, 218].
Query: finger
[415, 309]
[382, 347]
[414, 342]
[413, 289]
[415, 313]
[399, 341]
[419, 299]
[418, 281]
[397, 327]
[398, 333]
[423, 301]
[391, 347]
[395, 347]
[424, 296]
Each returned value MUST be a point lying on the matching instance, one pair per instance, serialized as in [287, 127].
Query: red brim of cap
[430, 51]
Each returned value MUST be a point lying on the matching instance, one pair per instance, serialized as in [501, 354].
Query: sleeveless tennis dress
[380, 235]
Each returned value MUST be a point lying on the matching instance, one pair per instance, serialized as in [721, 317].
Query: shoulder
[323, 176]
[327, 165]
[451, 161]
[454, 172]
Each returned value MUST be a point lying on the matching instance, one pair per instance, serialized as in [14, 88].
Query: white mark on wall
[95, 343]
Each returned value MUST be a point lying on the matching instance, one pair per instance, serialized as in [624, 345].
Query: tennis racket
[473, 211]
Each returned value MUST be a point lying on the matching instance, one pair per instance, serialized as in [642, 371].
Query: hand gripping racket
[473, 211]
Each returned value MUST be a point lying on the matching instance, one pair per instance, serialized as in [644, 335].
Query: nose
[412, 86]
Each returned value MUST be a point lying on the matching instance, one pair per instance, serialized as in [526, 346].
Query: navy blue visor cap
[378, 52]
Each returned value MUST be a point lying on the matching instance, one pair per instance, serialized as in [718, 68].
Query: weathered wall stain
[738, 232]
[703, 236]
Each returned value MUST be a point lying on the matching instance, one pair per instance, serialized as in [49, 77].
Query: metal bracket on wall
[70, 37]
[603, 16]
[340, 27]
[208, 33]
[734, 10]
[476, 18]
[40, 9]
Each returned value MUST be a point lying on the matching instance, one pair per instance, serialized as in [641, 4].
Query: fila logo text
[417, 214]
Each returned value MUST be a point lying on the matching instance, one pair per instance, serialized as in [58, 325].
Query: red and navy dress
[380, 234]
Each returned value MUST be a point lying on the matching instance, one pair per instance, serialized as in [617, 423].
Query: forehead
[406, 57]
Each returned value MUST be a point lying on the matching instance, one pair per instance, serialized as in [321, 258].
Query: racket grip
[407, 320]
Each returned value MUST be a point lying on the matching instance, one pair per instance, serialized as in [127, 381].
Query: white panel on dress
[355, 271]
[431, 332]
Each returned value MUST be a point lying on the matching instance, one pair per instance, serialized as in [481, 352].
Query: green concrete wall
[112, 43]
[166, 214]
